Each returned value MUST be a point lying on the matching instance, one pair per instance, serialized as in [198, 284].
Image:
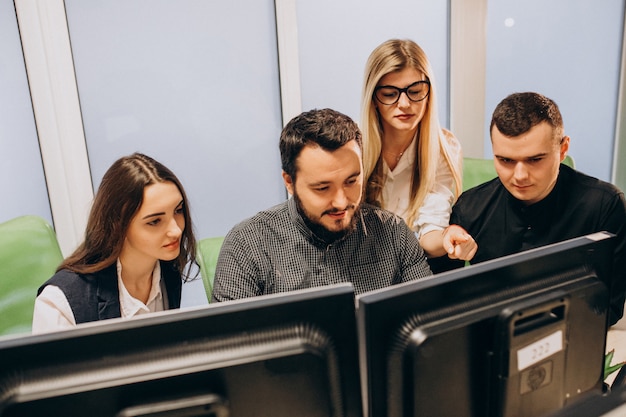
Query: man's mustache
[336, 210]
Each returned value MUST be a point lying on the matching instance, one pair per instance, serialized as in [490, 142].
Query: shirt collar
[129, 305]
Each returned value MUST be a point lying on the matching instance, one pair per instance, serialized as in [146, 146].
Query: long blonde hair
[396, 55]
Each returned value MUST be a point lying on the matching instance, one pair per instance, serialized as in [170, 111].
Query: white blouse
[53, 312]
[435, 212]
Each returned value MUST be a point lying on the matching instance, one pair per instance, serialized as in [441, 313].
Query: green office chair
[29, 255]
[479, 170]
[476, 171]
[207, 253]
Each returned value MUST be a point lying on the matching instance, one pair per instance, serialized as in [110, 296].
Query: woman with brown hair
[139, 247]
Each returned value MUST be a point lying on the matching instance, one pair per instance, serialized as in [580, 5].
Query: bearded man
[323, 234]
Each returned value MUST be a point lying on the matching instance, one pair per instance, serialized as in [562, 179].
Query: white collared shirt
[130, 306]
[53, 312]
[435, 212]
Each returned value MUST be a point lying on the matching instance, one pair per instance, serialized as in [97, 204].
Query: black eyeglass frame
[404, 90]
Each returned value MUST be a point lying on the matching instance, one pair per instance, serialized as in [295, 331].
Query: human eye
[180, 209]
[154, 222]
[417, 88]
[414, 92]
[388, 92]
[418, 91]
[504, 160]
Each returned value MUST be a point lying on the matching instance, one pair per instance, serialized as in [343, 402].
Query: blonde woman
[413, 166]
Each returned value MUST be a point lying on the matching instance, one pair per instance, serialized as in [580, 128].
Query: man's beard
[319, 230]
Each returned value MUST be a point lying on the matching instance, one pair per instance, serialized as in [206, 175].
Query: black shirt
[578, 205]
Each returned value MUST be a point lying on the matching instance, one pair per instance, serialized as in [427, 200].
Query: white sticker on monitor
[540, 350]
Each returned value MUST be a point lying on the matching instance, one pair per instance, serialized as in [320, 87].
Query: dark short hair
[519, 112]
[327, 128]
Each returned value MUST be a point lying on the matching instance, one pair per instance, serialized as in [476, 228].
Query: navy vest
[96, 296]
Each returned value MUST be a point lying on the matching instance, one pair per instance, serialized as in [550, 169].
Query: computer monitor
[290, 354]
[521, 335]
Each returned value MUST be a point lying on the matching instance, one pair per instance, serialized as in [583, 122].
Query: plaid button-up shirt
[274, 251]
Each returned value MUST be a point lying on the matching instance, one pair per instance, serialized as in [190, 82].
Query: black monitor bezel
[592, 252]
[330, 308]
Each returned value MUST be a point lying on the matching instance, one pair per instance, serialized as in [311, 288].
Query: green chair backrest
[476, 171]
[479, 170]
[29, 255]
[207, 253]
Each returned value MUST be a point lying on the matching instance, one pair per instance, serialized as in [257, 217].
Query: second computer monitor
[519, 336]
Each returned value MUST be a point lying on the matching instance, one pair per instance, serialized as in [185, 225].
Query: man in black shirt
[536, 200]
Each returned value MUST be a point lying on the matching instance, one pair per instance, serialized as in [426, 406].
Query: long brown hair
[118, 199]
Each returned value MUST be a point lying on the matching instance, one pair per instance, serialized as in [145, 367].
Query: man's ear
[564, 147]
[288, 182]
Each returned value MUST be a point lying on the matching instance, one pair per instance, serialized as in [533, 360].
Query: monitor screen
[521, 335]
[290, 354]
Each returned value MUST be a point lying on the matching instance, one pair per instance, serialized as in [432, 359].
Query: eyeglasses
[388, 94]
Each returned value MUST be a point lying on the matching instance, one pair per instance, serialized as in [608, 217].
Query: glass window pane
[22, 181]
[554, 48]
[193, 84]
[336, 37]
